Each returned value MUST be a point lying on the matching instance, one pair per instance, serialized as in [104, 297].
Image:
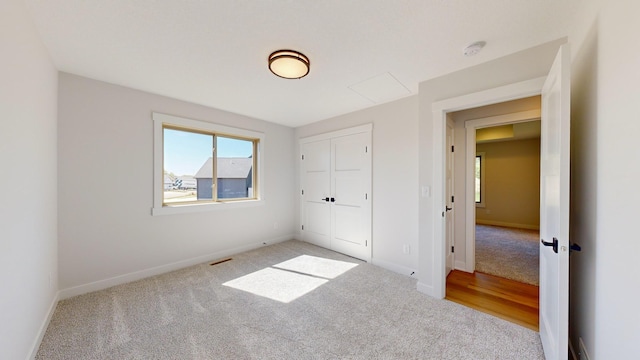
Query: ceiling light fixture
[289, 64]
[474, 48]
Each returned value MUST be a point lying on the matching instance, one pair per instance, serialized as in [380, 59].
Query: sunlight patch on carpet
[278, 285]
[316, 266]
[291, 279]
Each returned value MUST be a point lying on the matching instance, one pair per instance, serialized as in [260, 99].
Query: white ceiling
[215, 52]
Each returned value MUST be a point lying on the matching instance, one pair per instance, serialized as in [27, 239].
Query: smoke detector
[474, 48]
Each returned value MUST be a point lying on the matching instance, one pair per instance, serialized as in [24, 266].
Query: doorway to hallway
[500, 251]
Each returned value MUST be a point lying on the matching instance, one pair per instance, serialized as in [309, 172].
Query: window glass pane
[187, 161]
[234, 168]
[478, 173]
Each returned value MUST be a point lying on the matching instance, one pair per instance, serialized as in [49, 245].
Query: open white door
[449, 211]
[554, 209]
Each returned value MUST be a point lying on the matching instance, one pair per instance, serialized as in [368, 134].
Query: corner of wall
[43, 328]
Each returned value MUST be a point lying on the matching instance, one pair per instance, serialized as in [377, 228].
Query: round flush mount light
[289, 64]
[474, 48]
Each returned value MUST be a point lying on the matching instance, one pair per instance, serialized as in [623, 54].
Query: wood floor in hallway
[507, 299]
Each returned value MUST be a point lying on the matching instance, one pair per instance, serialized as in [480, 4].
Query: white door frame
[439, 112]
[450, 213]
[469, 200]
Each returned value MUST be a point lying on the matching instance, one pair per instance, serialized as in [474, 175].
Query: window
[479, 179]
[203, 165]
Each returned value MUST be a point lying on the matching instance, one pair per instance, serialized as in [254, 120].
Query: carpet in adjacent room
[508, 252]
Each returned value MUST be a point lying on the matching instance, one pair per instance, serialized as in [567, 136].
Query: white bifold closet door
[336, 191]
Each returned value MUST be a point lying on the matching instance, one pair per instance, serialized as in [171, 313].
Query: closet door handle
[325, 199]
[333, 199]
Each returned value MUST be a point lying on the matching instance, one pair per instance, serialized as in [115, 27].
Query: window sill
[196, 208]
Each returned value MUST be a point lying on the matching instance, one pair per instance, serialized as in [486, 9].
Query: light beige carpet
[285, 301]
[508, 252]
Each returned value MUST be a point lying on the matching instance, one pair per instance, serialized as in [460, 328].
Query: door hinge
[302, 191]
[366, 243]
[452, 198]
[365, 196]
[302, 157]
[452, 148]
[302, 227]
[452, 249]
[366, 149]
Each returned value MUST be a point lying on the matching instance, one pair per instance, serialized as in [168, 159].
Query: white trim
[427, 289]
[483, 185]
[491, 96]
[461, 265]
[572, 352]
[470, 202]
[43, 328]
[204, 125]
[194, 208]
[137, 275]
[582, 349]
[159, 120]
[511, 118]
[439, 113]
[402, 270]
[338, 133]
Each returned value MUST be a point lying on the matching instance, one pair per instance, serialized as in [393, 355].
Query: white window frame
[159, 122]
[483, 193]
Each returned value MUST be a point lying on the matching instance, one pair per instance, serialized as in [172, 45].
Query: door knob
[333, 199]
[574, 247]
[549, 243]
[448, 208]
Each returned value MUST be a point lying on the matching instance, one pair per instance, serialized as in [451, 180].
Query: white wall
[605, 276]
[525, 65]
[28, 223]
[395, 178]
[107, 234]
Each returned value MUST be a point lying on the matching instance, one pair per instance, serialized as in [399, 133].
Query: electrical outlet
[406, 249]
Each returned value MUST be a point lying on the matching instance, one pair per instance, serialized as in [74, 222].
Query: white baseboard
[572, 352]
[461, 265]
[403, 270]
[508, 224]
[582, 352]
[427, 289]
[43, 327]
[137, 275]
